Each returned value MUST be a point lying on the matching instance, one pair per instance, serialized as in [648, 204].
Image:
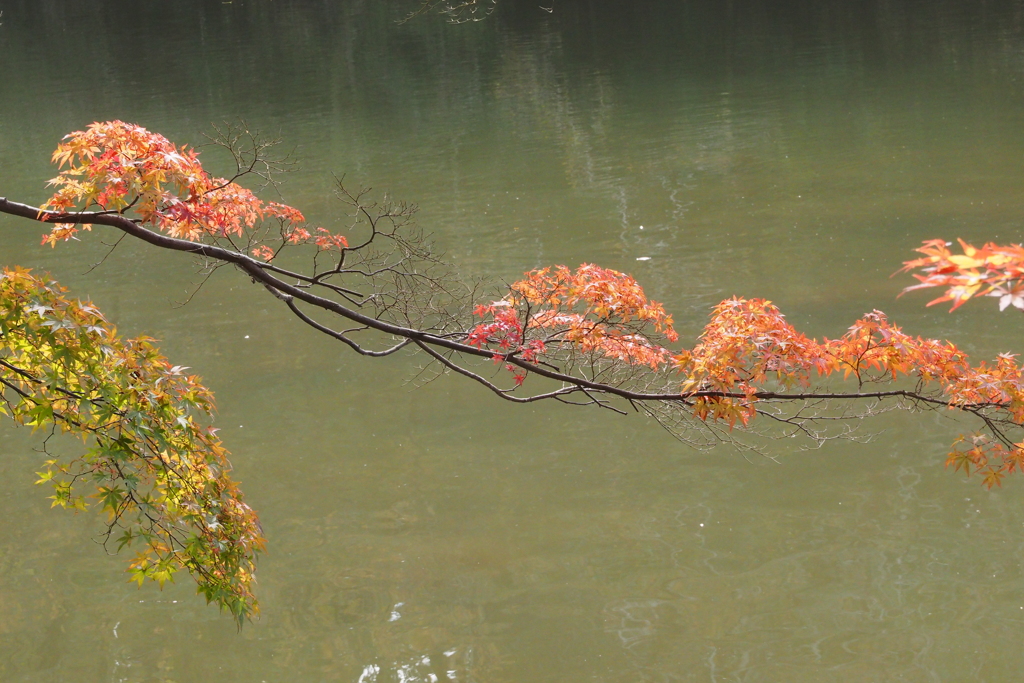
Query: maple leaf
[1012, 294]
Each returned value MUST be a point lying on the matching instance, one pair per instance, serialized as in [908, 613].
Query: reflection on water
[791, 150]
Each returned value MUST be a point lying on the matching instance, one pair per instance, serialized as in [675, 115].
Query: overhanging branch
[267, 275]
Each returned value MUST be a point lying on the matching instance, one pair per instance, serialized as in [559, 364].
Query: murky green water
[795, 151]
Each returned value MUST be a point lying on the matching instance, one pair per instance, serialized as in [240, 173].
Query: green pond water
[796, 151]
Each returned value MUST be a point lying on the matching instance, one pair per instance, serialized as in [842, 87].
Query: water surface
[795, 151]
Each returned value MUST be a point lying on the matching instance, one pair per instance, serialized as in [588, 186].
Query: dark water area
[794, 151]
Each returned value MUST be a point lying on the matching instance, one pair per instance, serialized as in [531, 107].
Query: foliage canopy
[586, 336]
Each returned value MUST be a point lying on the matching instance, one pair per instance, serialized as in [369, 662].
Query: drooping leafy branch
[586, 336]
[749, 360]
[160, 476]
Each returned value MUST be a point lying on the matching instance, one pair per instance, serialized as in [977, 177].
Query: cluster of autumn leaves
[589, 309]
[162, 477]
[116, 166]
[992, 270]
